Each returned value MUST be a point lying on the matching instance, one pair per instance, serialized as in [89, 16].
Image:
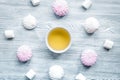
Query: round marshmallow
[88, 57]
[56, 72]
[24, 53]
[91, 25]
[29, 22]
[60, 7]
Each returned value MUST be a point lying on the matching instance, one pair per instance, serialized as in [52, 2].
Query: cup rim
[58, 51]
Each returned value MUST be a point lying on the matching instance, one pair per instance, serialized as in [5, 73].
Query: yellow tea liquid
[59, 39]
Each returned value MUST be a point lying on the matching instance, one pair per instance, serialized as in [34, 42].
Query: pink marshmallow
[24, 53]
[88, 57]
[60, 7]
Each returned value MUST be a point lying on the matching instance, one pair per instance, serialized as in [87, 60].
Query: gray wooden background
[108, 63]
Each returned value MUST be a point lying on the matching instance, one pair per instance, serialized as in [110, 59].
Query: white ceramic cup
[58, 51]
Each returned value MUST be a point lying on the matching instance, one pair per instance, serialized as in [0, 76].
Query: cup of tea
[58, 40]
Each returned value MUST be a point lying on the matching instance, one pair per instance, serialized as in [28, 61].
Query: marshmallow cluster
[29, 22]
[56, 72]
[60, 7]
[91, 24]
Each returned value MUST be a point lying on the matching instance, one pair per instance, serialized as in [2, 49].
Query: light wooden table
[108, 63]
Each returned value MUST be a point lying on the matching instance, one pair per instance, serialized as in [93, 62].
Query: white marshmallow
[108, 44]
[29, 22]
[56, 72]
[35, 2]
[91, 24]
[80, 77]
[9, 34]
[30, 74]
[87, 4]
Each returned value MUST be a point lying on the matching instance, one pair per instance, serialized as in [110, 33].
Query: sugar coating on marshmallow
[29, 22]
[91, 24]
[35, 2]
[80, 77]
[108, 44]
[56, 72]
[9, 34]
[87, 4]
[30, 74]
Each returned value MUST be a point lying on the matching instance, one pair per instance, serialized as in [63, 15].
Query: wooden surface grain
[108, 63]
